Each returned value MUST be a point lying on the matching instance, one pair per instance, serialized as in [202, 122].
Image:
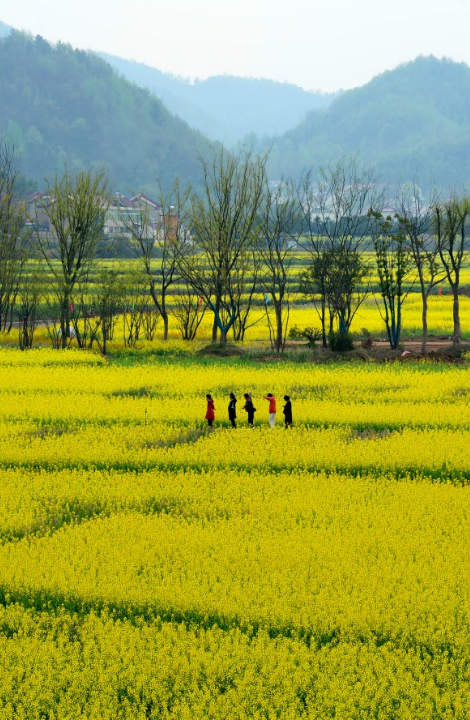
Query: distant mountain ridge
[64, 106]
[224, 107]
[410, 122]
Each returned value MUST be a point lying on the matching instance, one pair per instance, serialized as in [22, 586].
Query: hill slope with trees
[64, 106]
[414, 120]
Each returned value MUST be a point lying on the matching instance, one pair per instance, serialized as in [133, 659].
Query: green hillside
[411, 121]
[60, 105]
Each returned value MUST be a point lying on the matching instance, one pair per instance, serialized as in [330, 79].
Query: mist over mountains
[59, 105]
[224, 107]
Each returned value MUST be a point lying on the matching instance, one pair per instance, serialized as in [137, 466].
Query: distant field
[151, 568]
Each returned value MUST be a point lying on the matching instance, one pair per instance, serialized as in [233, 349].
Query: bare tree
[108, 302]
[224, 225]
[415, 218]
[51, 316]
[279, 219]
[137, 304]
[313, 286]
[393, 261]
[347, 284]
[313, 278]
[246, 288]
[451, 219]
[188, 310]
[337, 229]
[156, 242]
[76, 208]
[84, 316]
[30, 292]
[13, 236]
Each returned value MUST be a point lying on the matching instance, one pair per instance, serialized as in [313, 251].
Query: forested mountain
[64, 106]
[60, 105]
[227, 108]
[411, 121]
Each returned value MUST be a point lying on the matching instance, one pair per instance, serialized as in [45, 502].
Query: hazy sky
[323, 45]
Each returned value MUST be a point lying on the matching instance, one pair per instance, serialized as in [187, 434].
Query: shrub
[341, 342]
[311, 334]
[367, 341]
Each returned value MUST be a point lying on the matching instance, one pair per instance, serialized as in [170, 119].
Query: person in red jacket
[272, 409]
[210, 414]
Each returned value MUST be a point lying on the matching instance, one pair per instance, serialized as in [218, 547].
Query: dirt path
[415, 345]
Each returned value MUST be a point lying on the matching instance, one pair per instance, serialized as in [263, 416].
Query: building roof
[144, 199]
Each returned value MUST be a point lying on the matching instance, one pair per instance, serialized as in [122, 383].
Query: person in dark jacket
[232, 410]
[250, 408]
[210, 414]
[287, 411]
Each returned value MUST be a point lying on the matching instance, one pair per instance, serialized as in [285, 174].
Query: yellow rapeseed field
[151, 567]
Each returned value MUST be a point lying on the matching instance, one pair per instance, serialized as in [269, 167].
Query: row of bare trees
[424, 245]
[352, 228]
[226, 249]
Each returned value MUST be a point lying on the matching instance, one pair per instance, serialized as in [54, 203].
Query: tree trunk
[279, 338]
[223, 337]
[456, 315]
[397, 329]
[323, 317]
[215, 329]
[105, 335]
[331, 322]
[393, 320]
[323, 324]
[165, 325]
[65, 321]
[424, 318]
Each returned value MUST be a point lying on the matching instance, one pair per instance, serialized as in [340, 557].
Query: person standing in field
[272, 409]
[232, 410]
[287, 411]
[210, 414]
[250, 408]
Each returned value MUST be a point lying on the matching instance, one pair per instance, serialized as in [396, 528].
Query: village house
[122, 215]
